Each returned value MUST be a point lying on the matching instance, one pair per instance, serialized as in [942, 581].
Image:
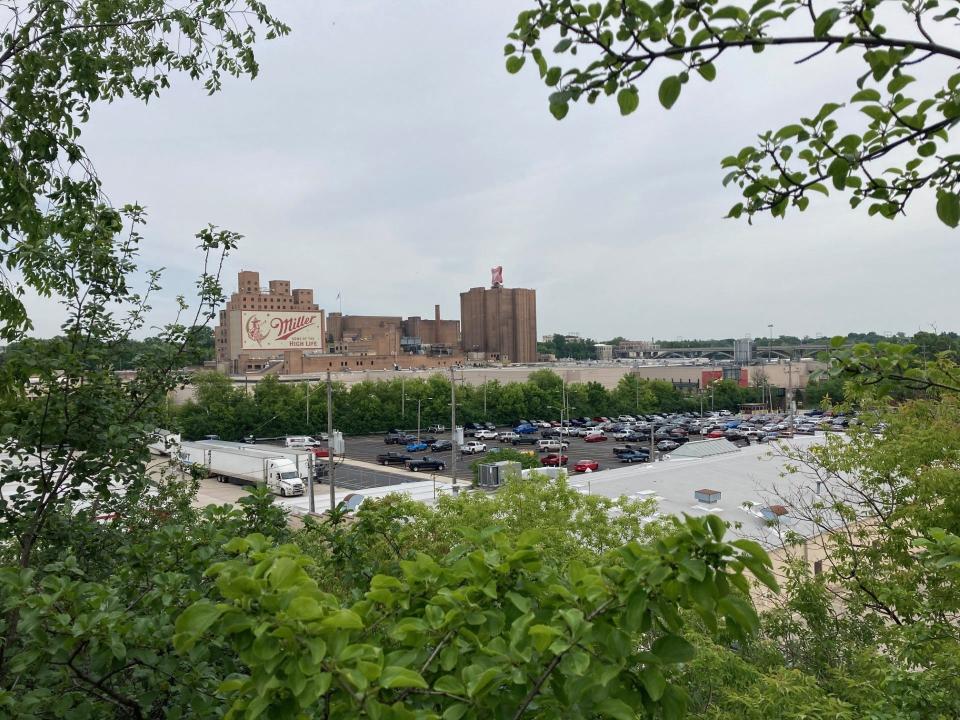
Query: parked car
[552, 445]
[550, 432]
[553, 460]
[595, 437]
[622, 434]
[485, 434]
[526, 429]
[508, 436]
[393, 458]
[713, 434]
[441, 445]
[586, 465]
[634, 456]
[397, 438]
[437, 428]
[668, 445]
[417, 446]
[472, 447]
[525, 440]
[425, 463]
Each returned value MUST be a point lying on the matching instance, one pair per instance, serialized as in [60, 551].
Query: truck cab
[283, 478]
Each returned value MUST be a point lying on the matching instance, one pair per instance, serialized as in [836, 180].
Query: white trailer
[303, 458]
[278, 472]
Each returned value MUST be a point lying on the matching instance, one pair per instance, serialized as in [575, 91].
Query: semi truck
[277, 471]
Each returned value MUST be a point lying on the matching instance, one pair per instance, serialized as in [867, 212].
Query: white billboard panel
[271, 330]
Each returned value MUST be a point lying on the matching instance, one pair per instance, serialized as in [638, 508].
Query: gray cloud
[385, 152]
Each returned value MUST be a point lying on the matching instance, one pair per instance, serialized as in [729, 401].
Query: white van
[300, 441]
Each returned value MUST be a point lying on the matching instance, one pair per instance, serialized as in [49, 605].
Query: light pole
[420, 400]
[770, 359]
[403, 396]
[453, 429]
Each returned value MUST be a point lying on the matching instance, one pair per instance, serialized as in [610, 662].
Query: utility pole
[403, 396]
[769, 358]
[331, 460]
[453, 429]
[308, 406]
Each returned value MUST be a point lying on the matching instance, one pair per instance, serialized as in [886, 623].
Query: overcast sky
[385, 153]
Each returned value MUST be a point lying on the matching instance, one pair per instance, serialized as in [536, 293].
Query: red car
[595, 438]
[715, 434]
[553, 460]
[584, 465]
[319, 452]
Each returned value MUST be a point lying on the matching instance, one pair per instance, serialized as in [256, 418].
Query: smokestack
[436, 314]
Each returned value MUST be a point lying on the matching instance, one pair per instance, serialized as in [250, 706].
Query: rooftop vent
[707, 496]
[773, 513]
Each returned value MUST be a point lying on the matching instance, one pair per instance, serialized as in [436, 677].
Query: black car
[393, 458]
[625, 449]
[441, 445]
[550, 432]
[489, 426]
[528, 439]
[425, 463]
[395, 438]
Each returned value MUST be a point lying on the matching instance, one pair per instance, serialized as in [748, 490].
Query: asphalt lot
[367, 447]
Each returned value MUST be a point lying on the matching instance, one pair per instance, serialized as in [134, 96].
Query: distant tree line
[123, 354]
[270, 408]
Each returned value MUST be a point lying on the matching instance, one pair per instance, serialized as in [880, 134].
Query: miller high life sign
[269, 330]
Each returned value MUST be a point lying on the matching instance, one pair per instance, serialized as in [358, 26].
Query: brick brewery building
[499, 324]
[276, 329]
[259, 324]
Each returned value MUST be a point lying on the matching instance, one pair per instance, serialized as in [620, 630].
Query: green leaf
[826, 21]
[789, 131]
[739, 611]
[673, 705]
[198, 617]
[480, 683]
[899, 83]
[948, 208]
[669, 91]
[514, 63]
[927, 149]
[653, 682]
[303, 607]
[628, 99]
[708, 71]
[867, 95]
[559, 109]
[563, 45]
[394, 676]
[617, 709]
[343, 620]
[673, 649]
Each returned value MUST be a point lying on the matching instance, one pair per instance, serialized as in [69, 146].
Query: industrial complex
[276, 329]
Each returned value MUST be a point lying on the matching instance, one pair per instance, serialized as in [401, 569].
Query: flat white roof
[754, 475]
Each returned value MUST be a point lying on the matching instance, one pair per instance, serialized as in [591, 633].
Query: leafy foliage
[491, 630]
[896, 145]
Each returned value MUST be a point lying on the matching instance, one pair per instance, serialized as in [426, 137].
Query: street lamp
[769, 358]
[420, 400]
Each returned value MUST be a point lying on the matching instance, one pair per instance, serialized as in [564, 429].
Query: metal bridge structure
[726, 352]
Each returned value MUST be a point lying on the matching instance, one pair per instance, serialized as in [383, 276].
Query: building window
[818, 567]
